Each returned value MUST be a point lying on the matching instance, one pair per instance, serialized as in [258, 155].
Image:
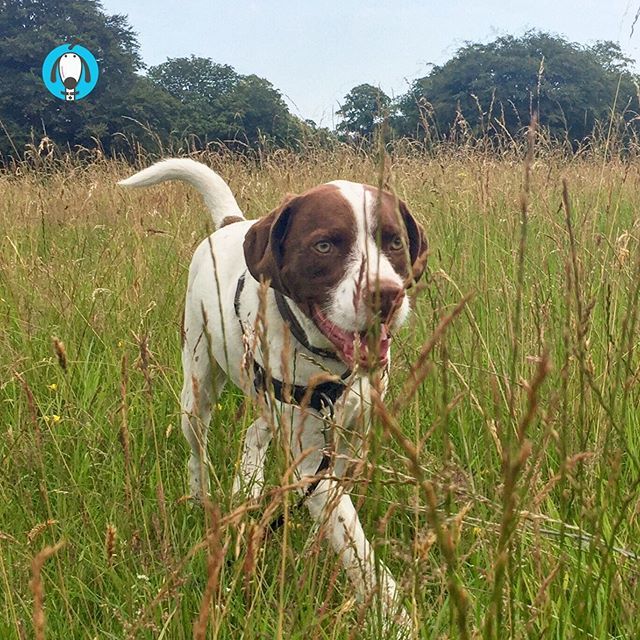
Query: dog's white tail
[215, 191]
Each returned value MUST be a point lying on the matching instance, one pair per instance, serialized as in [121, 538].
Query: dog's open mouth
[355, 347]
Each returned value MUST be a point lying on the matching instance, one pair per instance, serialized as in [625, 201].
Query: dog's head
[346, 254]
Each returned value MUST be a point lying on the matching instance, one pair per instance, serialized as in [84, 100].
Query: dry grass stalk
[39, 528]
[8, 537]
[162, 511]
[144, 361]
[110, 543]
[37, 588]
[443, 533]
[61, 352]
[512, 464]
[215, 556]
[33, 410]
[420, 370]
[123, 432]
[541, 596]
[522, 246]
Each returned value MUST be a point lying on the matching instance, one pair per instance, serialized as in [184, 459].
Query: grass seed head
[61, 352]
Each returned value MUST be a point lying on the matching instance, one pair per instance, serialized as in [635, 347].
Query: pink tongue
[348, 342]
[358, 342]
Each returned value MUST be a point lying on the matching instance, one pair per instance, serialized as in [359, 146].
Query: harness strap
[236, 297]
[321, 399]
[323, 396]
[325, 463]
[296, 329]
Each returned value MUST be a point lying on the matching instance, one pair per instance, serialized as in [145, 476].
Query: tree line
[484, 89]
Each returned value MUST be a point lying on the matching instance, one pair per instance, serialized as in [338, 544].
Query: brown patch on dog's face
[303, 247]
[400, 236]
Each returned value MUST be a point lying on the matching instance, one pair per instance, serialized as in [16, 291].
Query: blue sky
[314, 52]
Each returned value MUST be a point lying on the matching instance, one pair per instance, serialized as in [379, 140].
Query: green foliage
[571, 87]
[182, 96]
[202, 89]
[29, 30]
[193, 77]
[217, 103]
[260, 110]
[364, 109]
[489, 89]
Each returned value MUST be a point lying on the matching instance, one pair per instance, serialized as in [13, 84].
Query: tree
[29, 29]
[202, 89]
[569, 86]
[182, 96]
[220, 104]
[194, 77]
[364, 109]
[260, 112]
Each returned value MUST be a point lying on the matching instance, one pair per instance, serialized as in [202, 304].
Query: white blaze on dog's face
[368, 267]
[70, 67]
[345, 253]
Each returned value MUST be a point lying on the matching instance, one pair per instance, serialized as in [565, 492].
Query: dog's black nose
[385, 298]
[70, 83]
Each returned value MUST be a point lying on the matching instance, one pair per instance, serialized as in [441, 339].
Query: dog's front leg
[330, 506]
[251, 474]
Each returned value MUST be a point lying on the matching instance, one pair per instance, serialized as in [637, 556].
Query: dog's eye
[396, 243]
[324, 246]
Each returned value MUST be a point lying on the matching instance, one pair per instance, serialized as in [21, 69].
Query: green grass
[534, 484]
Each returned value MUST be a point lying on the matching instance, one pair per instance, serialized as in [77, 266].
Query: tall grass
[501, 483]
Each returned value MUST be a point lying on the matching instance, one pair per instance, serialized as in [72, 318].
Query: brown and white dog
[339, 259]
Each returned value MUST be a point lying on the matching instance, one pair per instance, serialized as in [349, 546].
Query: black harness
[297, 331]
[321, 398]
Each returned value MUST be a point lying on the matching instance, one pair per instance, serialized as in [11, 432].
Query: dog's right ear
[263, 244]
[87, 72]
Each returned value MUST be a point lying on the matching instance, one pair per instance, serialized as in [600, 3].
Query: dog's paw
[399, 626]
[196, 499]
[198, 480]
[197, 495]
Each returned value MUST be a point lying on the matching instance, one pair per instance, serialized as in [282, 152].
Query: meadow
[501, 486]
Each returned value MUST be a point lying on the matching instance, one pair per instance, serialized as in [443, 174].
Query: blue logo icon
[70, 72]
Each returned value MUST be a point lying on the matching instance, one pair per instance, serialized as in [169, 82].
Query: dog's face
[345, 253]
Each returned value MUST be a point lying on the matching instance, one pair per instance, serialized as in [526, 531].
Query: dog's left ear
[54, 69]
[87, 73]
[418, 245]
[263, 244]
